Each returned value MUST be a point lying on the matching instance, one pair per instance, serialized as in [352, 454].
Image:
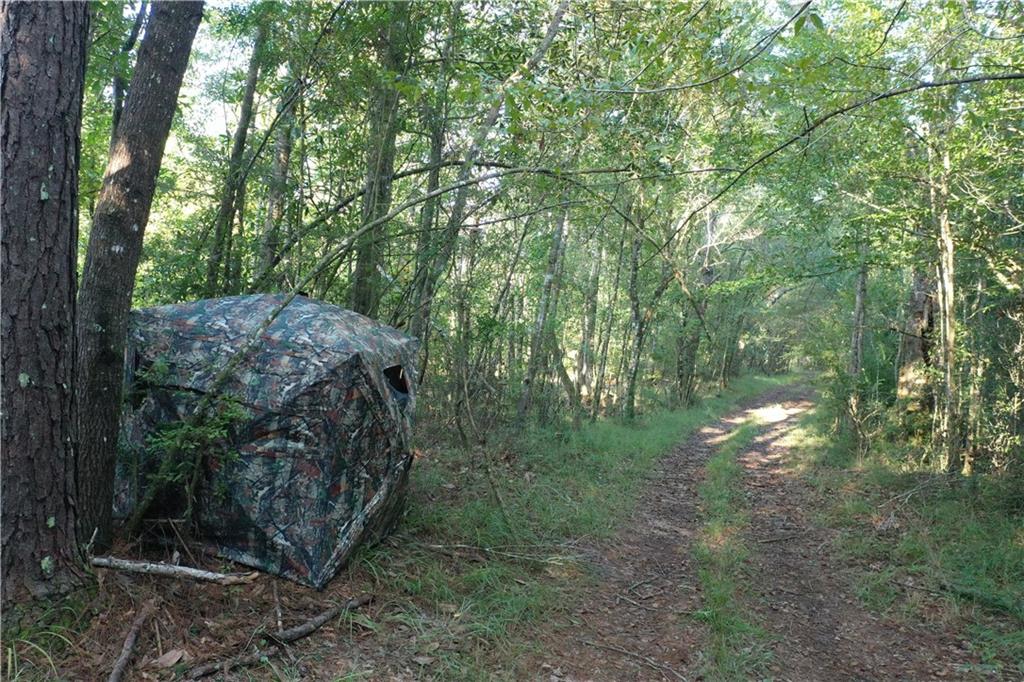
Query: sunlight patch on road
[773, 414]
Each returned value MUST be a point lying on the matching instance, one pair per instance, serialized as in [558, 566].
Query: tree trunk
[606, 334]
[948, 407]
[540, 324]
[380, 162]
[228, 199]
[586, 361]
[120, 85]
[435, 119]
[115, 245]
[916, 344]
[857, 333]
[636, 327]
[687, 346]
[42, 75]
[270, 239]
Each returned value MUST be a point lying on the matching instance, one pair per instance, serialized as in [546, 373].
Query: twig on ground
[172, 571]
[650, 662]
[280, 638]
[121, 664]
[633, 602]
[783, 538]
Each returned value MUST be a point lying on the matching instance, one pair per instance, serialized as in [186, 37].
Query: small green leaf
[51, 522]
[816, 20]
[47, 565]
[798, 26]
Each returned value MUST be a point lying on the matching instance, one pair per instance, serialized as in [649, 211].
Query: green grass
[34, 635]
[736, 650]
[929, 546]
[473, 609]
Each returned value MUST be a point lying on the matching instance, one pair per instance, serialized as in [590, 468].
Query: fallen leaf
[171, 658]
[423, 660]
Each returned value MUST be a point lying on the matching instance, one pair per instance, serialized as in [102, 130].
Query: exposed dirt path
[636, 623]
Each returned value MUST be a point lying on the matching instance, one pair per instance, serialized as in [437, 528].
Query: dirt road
[645, 618]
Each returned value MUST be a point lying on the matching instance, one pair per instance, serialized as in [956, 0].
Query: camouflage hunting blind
[313, 455]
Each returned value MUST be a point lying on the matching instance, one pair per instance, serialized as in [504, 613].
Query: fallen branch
[280, 638]
[650, 662]
[121, 664]
[172, 571]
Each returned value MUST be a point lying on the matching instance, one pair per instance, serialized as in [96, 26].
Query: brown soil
[636, 623]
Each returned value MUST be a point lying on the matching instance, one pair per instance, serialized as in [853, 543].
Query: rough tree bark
[916, 344]
[115, 244]
[42, 74]
[229, 194]
[120, 85]
[392, 54]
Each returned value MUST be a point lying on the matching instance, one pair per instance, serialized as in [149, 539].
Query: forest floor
[723, 573]
[711, 543]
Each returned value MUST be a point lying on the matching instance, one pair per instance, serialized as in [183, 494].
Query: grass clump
[735, 652]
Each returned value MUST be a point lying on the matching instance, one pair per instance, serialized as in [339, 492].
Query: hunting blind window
[397, 379]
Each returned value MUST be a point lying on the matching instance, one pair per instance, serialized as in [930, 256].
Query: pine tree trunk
[222, 226]
[115, 245]
[42, 74]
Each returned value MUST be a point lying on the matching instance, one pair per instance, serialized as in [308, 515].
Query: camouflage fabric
[315, 456]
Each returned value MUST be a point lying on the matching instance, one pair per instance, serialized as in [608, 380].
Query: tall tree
[218, 260]
[42, 74]
[392, 53]
[115, 244]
